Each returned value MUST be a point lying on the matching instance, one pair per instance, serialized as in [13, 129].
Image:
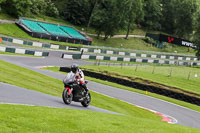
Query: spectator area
[73, 33]
[52, 29]
[33, 26]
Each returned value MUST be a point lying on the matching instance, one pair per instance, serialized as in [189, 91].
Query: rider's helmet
[74, 68]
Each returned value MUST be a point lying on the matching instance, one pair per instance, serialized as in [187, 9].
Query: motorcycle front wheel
[67, 99]
[87, 100]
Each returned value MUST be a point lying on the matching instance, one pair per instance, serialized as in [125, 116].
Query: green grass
[18, 119]
[138, 44]
[179, 77]
[22, 77]
[188, 105]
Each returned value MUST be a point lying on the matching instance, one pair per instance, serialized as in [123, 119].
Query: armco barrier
[140, 86]
[23, 51]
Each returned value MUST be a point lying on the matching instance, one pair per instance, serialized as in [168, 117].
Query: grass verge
[17, 118]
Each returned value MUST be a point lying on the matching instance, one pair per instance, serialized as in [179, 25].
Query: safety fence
[161, 56]
[154, 89]
[100, 51]
[23, 51]
[129, 59]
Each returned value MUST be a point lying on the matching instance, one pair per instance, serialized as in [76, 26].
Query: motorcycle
[74, 92]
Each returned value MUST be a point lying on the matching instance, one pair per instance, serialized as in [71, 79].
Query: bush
[150, 41]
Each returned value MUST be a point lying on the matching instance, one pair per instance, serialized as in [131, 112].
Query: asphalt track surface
[16, 95]
[184, 116]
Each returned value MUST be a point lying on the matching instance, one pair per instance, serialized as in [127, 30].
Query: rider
[79, 76]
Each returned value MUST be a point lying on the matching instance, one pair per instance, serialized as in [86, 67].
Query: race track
[184, 116]
[10, 94]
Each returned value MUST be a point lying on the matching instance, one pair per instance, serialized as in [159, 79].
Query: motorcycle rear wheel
[67, 99]
[87, 101]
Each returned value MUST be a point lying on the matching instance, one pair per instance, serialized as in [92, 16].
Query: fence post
[189, 75]
[136, 68]
[153, 69]
[170, 73]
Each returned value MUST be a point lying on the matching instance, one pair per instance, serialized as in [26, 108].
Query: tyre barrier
[169, 93]
[22, 51]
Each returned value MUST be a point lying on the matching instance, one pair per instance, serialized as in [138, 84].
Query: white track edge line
[176, 121]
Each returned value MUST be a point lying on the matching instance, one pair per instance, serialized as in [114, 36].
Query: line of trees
[177, 17]
[26, 8]
[107, 17]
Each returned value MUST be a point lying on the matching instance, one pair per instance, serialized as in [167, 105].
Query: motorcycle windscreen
[69, 78]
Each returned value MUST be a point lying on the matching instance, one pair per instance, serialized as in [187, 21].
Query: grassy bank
[188, 105]
[42, 119]
[139, 44]
[175, 76]
[131, 43]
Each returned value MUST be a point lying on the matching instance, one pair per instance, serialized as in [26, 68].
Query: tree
[152, 14]
[93, 4]
[38, 7]
[178, 16]
[51, 9]
[1, 1]
[77, 11]
[133, 12]
[17, 7]
[196, 37]
[108, 18]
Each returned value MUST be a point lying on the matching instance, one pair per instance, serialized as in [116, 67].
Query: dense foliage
[26, 8]
[177, 17]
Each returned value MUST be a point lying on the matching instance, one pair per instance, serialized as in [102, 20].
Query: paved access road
[183, 115]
